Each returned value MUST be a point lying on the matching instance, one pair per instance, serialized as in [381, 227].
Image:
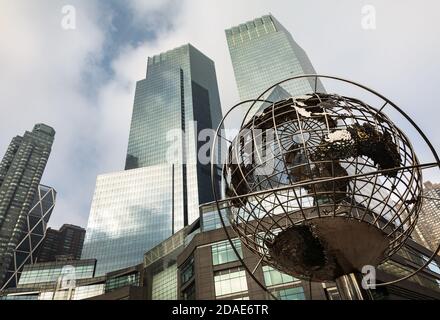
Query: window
[211, 220]
[189, 293]
[187, 271]
[222, 252]
[296, 293]
[122, 281]
[273, 277]
[164, 286]
[434, 267]
[230, 281]
[85, 292]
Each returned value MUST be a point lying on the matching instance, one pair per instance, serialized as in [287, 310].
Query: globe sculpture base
[327, 248]
[350, 288]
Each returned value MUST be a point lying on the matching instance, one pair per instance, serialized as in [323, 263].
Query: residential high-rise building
[65, 243]
[27, 249]
[21, 170]
[264, 53]
[164, 182]
[427, 230]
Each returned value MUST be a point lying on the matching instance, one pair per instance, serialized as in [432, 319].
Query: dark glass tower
[21, 170]
[178, 99]
[65, 243]
[164, 182]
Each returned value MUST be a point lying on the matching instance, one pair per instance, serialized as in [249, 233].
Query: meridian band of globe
[214, 190]
[376, 172]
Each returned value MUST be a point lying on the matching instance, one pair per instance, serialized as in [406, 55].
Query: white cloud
[42, 74]
[44, 68]
[142, 7]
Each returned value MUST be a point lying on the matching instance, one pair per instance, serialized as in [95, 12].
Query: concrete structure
[208, 269]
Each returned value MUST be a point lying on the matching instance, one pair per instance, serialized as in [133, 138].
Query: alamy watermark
[368, 19]
[67, 278]
[368, 277]
[68, 17]
[256, 147]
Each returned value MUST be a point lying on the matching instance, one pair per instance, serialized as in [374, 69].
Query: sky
[81, 81]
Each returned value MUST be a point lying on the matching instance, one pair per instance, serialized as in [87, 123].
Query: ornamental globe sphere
[320, 185]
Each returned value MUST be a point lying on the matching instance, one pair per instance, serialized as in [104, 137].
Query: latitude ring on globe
[320, 185]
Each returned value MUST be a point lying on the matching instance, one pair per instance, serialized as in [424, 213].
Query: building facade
[65, 243]
[173, 106]
[32, 239]
[60, 280]
[209, 269]
[129, 215]
[160, 191]
[76, 280]
[264, 53]
[21, 170]
[199, 263]
[427, 230]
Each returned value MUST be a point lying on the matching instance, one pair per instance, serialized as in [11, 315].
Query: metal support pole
[349, 287]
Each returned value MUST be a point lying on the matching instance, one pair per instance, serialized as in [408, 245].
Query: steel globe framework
[320, 185]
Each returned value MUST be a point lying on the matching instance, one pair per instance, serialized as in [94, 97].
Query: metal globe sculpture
[320, 185]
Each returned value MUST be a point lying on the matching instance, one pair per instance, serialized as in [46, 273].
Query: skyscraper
[427, 230]
[178, 99]
[65, 243]
[21, 170]
[264, 53]
[163, 183]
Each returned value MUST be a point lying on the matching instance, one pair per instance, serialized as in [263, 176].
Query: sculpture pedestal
[350, 288]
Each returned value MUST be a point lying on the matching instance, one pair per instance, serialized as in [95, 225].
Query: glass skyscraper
[21, 170]
[131, 212]
[177, 100]
[163, 183]
[264, 53]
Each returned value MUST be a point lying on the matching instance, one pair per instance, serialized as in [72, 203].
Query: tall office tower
[65, 243]
[164, 183]
[427, 231]
[21, 170]
[264, 53]
[32, 239]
